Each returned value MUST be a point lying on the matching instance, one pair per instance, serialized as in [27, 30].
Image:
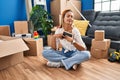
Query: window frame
[101, 2]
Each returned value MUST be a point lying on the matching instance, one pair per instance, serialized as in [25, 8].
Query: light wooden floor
[34, 68]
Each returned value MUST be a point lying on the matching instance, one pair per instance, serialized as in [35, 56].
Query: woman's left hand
[78, 46]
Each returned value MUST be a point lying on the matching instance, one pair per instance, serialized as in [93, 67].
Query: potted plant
[41, 20]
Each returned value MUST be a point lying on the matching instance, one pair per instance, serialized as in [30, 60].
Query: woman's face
[68, 19]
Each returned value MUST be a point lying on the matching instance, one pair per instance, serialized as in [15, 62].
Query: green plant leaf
[40, 19]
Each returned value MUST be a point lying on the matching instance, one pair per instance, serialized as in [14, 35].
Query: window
[115, 5]
[107, 5]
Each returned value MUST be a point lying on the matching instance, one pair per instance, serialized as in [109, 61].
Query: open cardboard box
[11, 51]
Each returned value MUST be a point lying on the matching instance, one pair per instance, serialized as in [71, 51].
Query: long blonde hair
[63, 15]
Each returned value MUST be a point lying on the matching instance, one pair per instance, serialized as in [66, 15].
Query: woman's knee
[87, 54]
[45, 53]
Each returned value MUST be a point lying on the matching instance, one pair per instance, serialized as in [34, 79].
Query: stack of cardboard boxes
[35, 45]
[58, 6]
[100, 45]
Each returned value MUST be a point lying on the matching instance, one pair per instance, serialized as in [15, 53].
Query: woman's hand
[77, 45]
[58, 35]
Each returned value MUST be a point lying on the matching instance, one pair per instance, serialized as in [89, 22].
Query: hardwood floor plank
[34, 68]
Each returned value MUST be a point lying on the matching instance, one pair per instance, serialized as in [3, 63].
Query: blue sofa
[108, 21]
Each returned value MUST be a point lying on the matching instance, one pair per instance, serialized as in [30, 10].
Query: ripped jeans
[68, 59]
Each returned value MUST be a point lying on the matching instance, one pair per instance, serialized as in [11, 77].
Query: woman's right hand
[58, 35]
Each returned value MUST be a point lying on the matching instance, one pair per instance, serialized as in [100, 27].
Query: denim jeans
[68, 59]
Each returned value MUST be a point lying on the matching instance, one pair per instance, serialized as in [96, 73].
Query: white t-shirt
[66, 44]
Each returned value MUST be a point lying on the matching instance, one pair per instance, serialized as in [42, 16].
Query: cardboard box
[99, 35]
[98, 53]
[77, 4]
[21, 27]
[35, 46]
[58, 6]
[5, 30]
[56, 19]
[102, 45]
[11, 60]
[52, 42]
[11, 51]
[108, 42]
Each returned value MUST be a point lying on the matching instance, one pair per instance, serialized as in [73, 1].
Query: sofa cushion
[89, 15]
[81, 26]
[110, 22]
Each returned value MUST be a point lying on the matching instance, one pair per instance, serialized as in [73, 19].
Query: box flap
[5, 38]
[10, 47]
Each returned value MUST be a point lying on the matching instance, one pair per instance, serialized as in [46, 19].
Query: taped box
[98, 53]
[35, 46]
[11, 51]
[102, 45]
[99, 35]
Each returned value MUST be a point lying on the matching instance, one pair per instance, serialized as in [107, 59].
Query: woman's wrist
[73, 41]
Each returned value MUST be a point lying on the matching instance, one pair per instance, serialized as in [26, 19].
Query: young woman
[73, 48]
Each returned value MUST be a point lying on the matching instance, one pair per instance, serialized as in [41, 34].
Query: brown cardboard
[49, 40]
[21, 27]
[102, 45]
[5, 30]
[97, 53]
[77, 4]
[35, 46]
[56, 18]
[10, 47]
[11, 51]
[6, 38]
[11, 60]
[58, 6]
[99, 35]
[52, 42]
[108, 42]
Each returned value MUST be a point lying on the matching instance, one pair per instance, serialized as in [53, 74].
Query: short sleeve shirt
[68, 45]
